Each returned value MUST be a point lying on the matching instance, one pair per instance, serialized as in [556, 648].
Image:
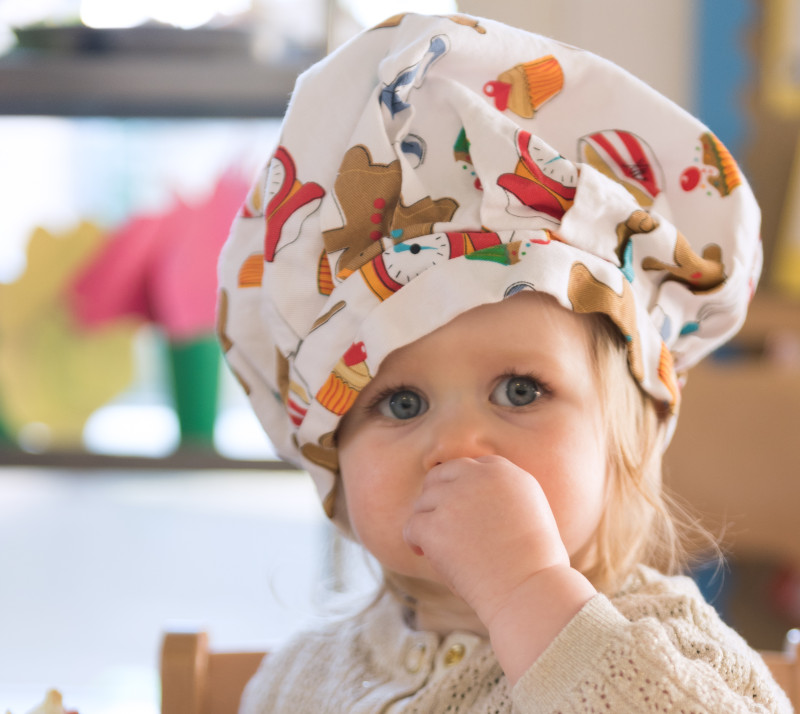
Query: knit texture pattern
[657, 646]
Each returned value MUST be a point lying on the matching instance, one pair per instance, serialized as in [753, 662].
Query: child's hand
[485, 526]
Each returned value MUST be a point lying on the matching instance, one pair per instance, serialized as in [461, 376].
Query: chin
[416, 586]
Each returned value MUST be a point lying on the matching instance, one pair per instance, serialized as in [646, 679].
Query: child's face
[512, 379]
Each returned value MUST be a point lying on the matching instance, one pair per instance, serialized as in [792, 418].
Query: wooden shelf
[145, 85]
[183, 460]
[770, 312]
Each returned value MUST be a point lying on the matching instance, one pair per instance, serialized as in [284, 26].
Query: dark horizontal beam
[141, 85]
[184, 459]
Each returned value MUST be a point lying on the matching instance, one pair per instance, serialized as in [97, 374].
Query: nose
[457, 431]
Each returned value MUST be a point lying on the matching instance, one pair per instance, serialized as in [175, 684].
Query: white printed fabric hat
[434, 164]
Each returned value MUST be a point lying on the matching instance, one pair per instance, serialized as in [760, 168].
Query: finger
[427, 500]
[445, 471]
[452, 470]
[407, 537]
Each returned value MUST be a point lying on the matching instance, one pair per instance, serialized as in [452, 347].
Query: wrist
[533, 614]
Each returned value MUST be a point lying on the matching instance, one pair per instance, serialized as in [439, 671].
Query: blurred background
[137, 491]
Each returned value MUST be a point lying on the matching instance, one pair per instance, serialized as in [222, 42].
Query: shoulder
[649, 593]
[680, 610]
[675, 606]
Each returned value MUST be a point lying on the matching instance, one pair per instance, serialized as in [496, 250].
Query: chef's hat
[434, 164]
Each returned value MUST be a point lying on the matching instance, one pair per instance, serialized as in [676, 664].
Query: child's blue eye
[517, 391]
[404, 404]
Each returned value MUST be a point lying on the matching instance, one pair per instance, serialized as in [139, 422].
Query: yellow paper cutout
[52, 262]
[53, 371]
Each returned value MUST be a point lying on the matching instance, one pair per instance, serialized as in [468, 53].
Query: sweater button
[415, 657]
[454, 655]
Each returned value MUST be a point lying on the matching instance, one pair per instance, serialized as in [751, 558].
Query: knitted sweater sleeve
[649, 653]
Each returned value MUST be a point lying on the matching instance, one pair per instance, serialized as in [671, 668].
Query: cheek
[574, 481]
[360, 510]
[354, 486]
[369, 489]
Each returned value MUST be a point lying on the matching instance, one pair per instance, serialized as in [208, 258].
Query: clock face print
[405, 261]
[289, 203]
[276, 179]
[553, 164]
[543, 184]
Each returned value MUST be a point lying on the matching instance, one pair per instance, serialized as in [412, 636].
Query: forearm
[532, 616]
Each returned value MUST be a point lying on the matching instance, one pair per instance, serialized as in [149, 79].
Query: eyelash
[511, 373]
[527, 374]
[372, 405]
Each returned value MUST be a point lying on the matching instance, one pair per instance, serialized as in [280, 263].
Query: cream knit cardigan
[655, 647]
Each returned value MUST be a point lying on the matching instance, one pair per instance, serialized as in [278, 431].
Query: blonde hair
[642, 522]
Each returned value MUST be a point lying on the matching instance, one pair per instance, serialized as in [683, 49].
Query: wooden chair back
[785, 666]
[195, 680]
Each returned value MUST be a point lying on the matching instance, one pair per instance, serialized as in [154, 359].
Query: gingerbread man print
[588, 294]
[700, 273]
[369, 198]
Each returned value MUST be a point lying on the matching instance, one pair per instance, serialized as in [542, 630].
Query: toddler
[460, 295]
